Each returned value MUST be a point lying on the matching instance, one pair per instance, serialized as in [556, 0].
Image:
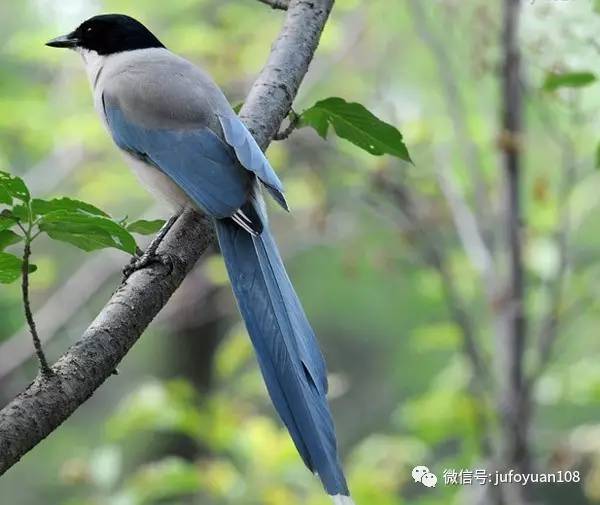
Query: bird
[180, 135]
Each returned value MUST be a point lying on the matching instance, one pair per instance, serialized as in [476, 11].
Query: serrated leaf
[144, 227]
[568, 80]
[40, 207]
[8, 238]
[88, 232]
[14, 186]
[11, 267]
[353, 122]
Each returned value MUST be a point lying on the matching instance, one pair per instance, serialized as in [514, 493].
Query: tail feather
[286, 346]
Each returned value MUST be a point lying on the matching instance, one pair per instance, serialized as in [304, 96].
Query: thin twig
[466, 226]
[551, 320]
[44, 368]
[457, 111]
[433, 256]
[287, 131]
[277, 4]
[404, 200]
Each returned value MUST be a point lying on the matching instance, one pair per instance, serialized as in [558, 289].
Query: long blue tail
[286, 346]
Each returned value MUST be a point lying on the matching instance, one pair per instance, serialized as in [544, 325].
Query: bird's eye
[88, 29]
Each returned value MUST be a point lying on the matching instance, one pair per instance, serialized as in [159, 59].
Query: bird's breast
[158, 184]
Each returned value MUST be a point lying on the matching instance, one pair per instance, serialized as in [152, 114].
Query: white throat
[93, 64]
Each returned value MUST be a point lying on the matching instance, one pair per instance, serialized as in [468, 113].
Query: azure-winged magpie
[186, 144]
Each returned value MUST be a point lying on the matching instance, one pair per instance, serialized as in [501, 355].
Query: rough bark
[47, 402]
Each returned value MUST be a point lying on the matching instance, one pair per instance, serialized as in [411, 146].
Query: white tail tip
[340, 499]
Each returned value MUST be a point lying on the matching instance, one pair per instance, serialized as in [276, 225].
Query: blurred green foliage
[247, 457]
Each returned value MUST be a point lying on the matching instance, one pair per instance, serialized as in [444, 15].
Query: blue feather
[196, 159]
[251, 156]
[286, 347]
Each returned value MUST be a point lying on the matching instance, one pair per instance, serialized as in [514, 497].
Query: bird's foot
[144, 259]
[148, 258]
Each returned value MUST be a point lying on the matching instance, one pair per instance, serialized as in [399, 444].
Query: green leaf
[597, 161]
[5, 196]
[20, 212]
[568, 80]
[6, 220]
[41, 207]
[14, 187]
[88, 232]
[7, 238]
[10, 268]
[353, 122]
[237, 107]
[144, 227]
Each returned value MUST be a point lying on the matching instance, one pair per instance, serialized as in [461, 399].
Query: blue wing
[251, 155]
[204, 166]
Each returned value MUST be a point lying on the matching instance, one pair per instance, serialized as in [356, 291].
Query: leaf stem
[44, 367]
[22, 228]
[284, 134]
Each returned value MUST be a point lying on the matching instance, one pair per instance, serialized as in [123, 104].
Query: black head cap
[108, 34]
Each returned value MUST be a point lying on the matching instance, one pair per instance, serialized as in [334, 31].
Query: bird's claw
[140, 262]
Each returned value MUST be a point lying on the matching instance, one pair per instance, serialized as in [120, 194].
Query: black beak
[69, 41]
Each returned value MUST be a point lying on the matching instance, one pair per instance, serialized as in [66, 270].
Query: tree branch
[47, 402]
[513, 400]
[466, 226]
[270, 98]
